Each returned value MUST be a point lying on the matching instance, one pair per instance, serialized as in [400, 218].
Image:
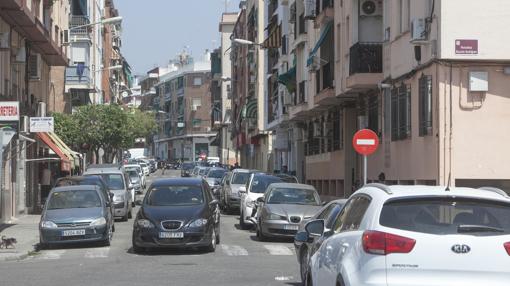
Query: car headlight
[276, 217]
[145, 223]
[250, 204]
[98, 222]
[198, 223]
[48, 224]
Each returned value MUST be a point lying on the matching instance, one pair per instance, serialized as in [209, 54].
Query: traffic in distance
[380, 235]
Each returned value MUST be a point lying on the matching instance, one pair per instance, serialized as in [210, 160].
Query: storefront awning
[72, 155]
[322, 37]
[250, 109]
[65, 163]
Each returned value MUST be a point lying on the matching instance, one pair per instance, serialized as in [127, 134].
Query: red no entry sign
[365, 142]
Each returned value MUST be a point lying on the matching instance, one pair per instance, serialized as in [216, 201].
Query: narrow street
[239, 260]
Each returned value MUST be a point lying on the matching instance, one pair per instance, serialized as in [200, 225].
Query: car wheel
[113, 226]
[308, 281]
[212, 246]
[137, 249]
[125, 217]
[303, 265]
[242, 223]
[108, 240]
[217, 238]
[130, 214]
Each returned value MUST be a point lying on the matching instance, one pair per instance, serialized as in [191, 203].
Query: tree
[68, 129]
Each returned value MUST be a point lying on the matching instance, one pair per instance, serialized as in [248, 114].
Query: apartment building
[32, 63]
[221, 91]
[429, 77]
[184, 113]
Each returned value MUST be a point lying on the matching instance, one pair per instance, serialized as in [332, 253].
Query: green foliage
[107, 127]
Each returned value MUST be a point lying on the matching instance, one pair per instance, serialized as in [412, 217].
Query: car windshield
[175, 196]
[114, 181]
[203, 171]
[143, 165]
[293, 196]
[82, 182]
[74, 200]
[133, 176]
[217, 174]
[447, 216]
[260, 183]
[136, 169]
[240, 178]
[187, 166]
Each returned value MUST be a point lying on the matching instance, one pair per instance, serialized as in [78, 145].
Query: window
[425, 108]
[352, 214]
[401, 113]
[373, 113]
[197, 81]
[196, 103]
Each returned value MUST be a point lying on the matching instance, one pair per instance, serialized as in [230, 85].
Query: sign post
[365, 142]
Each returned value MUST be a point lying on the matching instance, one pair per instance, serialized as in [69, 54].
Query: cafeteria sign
[9, 111]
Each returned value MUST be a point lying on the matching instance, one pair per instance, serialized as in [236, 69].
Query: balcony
[76, 28]
[17, 14]
[326, 91]
[365, 66]
[75, 81]
[325, 12]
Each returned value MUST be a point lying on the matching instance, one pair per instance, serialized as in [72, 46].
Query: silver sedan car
[284, 207]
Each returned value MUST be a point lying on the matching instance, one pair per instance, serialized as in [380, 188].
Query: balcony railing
[72, 76]
[76, 23]
[365, 58]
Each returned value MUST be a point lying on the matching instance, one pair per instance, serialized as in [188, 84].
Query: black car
[186, 169]
[177, 213]
[307, 245]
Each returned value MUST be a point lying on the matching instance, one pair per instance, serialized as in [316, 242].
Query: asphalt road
[239, 260]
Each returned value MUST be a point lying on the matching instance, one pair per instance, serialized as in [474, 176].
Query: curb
[19, 257]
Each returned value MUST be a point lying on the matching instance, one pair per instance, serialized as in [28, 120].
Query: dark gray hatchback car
[76, 214]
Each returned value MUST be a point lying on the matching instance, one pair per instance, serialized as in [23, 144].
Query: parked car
[233, 182]
[88, 180]
[283, 207]
[287, 178]
[222, 188]
[152, 165]
[145, 168]
[387, 235]
[254, 189]
[213, 178]
[186, 169]
[76, 214]
[136, 180]
[118, 183]
[140, 172]
[306, 246]
[177, 212]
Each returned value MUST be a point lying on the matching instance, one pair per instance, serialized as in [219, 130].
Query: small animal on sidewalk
[8, 242]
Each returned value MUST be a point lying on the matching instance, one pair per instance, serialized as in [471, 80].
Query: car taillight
[381, 243]
[507, 247]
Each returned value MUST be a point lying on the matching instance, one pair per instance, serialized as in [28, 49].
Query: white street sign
[42, 124]
[9, 111]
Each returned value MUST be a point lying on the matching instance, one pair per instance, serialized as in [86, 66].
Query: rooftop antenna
[449, 182]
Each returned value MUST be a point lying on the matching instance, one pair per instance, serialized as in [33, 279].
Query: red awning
[65, 164]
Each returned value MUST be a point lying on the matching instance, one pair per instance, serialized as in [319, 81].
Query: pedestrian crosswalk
[229, 250]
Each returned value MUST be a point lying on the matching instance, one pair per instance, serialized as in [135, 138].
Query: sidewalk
[25, 230]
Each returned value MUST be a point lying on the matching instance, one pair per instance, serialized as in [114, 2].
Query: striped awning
[274, 40]
[250, 109]
[317, 46]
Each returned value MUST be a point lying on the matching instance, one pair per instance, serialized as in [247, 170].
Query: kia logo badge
[461, 248]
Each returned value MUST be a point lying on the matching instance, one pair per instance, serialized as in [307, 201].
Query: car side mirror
[242, 190]
[315, 228]
[260, 200]
[302, 237]
[214, 203]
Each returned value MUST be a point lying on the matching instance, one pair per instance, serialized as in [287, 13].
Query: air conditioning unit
[4, 41]
[67, 38]
[34, 66]
[21, 56]
[310, 12]
[370, 8]
[418, 30]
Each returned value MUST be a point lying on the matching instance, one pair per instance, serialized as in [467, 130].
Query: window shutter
[394, 115]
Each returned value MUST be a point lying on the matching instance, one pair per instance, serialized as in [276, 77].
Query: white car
[139, 170]
[415, 235]
[254, 189]
[145, 168]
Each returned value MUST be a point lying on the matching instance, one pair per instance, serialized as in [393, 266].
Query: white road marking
[278, 249]
[234, 250]
[97, 252]
[283, 278]
[368, 142]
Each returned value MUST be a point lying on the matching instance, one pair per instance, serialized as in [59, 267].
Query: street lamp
[113, 20]
[118, 67]
[244, 42]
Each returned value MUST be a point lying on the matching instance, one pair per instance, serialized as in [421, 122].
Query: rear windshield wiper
[478, 228]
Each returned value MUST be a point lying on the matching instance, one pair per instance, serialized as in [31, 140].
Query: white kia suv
[415, 235]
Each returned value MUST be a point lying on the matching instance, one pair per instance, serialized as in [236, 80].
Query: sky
[155, 31]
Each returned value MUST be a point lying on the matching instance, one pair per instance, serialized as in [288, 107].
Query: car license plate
[171, 235]
[73, 232]
[291, 227]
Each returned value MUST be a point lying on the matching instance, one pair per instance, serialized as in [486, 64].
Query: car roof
[292, 185]
[103, 171]
[177, 182]
[76, 188]
[242, 171]
[131, 166]
[400, 191]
